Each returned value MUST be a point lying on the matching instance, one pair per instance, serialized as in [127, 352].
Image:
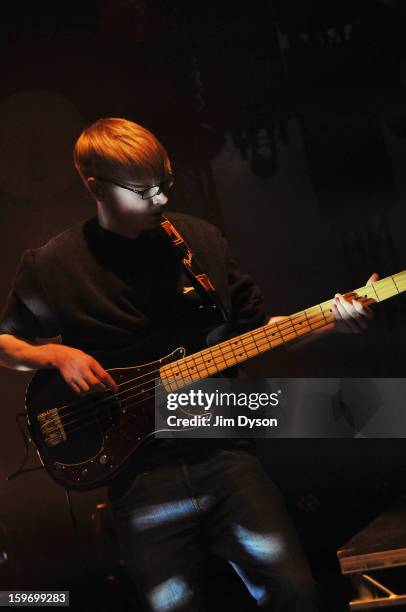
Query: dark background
[286, 125]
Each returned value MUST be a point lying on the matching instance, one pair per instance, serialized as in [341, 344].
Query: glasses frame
[140, 192]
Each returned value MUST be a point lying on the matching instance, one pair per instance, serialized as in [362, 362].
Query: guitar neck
[215, 359]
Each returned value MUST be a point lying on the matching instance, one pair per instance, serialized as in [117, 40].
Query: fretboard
[215, 359]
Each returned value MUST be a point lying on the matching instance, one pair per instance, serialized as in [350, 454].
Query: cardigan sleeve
[28, 312]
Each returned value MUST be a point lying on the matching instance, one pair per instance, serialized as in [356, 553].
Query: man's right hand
[81, 371]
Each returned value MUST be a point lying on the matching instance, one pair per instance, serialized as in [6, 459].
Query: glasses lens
[150, 193]
[164, 186]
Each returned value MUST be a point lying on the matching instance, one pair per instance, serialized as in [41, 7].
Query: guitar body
[83, 442]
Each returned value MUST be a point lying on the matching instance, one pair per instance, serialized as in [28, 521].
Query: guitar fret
[299, 325]
[278, 331]
[196, 365]
[233, 357]
[401, 280]
[300, 328]
[222, 354]
[223, 359]
[212, 358]
[169, 366]
[203, 362]
[237, 356]
[243, 343]
[181, 367]
[255, 343]
[263, 336]
[269, 332]
[231, 351]
[249, 347]
[322, 313]
[307, 318]
[292, 328]
[396, 287]
[386, 288]
[186, 362]
[373, 287]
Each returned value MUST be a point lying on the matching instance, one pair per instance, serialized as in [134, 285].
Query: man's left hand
[351, 316]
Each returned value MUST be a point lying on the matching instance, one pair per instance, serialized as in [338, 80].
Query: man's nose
[160, 199]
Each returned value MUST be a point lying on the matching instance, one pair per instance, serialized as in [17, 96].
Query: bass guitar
[84, 442]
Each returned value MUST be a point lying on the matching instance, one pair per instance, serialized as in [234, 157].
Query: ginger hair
[113, 143]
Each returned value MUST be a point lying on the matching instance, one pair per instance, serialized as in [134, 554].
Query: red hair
[113, 143]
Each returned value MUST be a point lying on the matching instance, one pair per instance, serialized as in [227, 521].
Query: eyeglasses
[147, 193]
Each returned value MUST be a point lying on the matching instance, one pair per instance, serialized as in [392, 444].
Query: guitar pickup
[51, 427]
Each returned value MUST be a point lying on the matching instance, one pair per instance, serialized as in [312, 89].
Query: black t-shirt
[103, 293]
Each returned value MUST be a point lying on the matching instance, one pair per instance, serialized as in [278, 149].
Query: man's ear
[95, 187]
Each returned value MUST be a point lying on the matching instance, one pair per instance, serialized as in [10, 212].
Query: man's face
[123, 199]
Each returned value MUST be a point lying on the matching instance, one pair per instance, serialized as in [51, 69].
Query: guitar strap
[200, 280]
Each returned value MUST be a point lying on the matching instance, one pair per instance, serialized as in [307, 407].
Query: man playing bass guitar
[113, 282]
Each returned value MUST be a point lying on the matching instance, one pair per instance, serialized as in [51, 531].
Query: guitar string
[127, 406]
[101, 416]
[113, 398]
[94, 406]
[78, 406]
[93, 413]
[114, 404]
[282, 326]
[285, 324]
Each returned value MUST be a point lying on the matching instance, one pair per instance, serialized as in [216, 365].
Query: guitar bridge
[51, 427]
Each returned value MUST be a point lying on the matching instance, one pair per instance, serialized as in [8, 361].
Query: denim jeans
[169, 514]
